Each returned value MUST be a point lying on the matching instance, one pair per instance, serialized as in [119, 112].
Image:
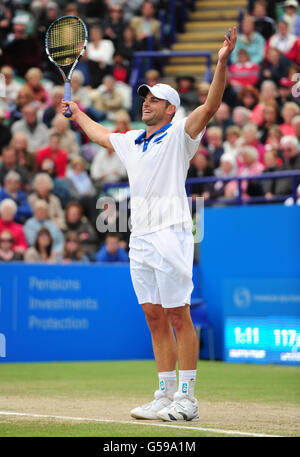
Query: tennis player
[161, 242]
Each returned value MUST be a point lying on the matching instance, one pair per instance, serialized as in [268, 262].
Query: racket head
[65, 42]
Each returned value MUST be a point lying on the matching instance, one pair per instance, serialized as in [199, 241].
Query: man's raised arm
[199, 118]
[96, 132]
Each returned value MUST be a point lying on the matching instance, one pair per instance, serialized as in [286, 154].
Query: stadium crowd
[51, 176]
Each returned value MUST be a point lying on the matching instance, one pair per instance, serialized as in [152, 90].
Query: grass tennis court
[234, 399]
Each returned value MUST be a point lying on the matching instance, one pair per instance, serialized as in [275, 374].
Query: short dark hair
[112, 235]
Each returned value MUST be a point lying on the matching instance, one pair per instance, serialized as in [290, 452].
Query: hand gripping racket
[65, 43]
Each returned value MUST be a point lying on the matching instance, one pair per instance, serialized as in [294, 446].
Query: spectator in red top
[288, 112]
[58, 156]
[120, 70]
[243, 72]
[8, 209]
[268, 92]
[122, 122]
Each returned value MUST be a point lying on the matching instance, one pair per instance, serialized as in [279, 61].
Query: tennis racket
[65, 43]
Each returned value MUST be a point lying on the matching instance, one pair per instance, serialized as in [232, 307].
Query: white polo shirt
[157, 169]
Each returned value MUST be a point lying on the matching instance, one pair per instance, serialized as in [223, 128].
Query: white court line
[87, 419]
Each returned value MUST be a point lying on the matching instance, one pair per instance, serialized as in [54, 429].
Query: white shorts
[161, 267]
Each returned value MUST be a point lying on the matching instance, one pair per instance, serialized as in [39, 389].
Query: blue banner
[80, 312]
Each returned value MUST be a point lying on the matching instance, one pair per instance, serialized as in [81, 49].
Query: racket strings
[66, 40]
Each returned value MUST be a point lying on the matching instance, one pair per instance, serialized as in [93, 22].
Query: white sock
[187, 380]
[168, 382]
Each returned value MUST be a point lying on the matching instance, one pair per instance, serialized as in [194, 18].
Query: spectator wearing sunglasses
[7, 254]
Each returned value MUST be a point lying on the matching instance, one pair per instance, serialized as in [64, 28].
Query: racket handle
[67, 96]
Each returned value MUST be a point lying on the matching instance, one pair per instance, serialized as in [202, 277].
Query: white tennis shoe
[150, 410]
[183, 408]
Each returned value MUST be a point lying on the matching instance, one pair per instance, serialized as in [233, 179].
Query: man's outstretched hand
[228, 45]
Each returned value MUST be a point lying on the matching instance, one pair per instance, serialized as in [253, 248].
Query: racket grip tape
[67, 97]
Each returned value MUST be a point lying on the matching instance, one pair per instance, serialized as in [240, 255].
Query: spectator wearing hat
[243, 73]
[8, 210]
[11, 189]
[41, 219]
[264, 24]
[252, 41]
[288, 112]
[187, 92]
[291, 16]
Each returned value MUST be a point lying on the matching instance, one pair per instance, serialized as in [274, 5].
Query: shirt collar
[142, 137]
